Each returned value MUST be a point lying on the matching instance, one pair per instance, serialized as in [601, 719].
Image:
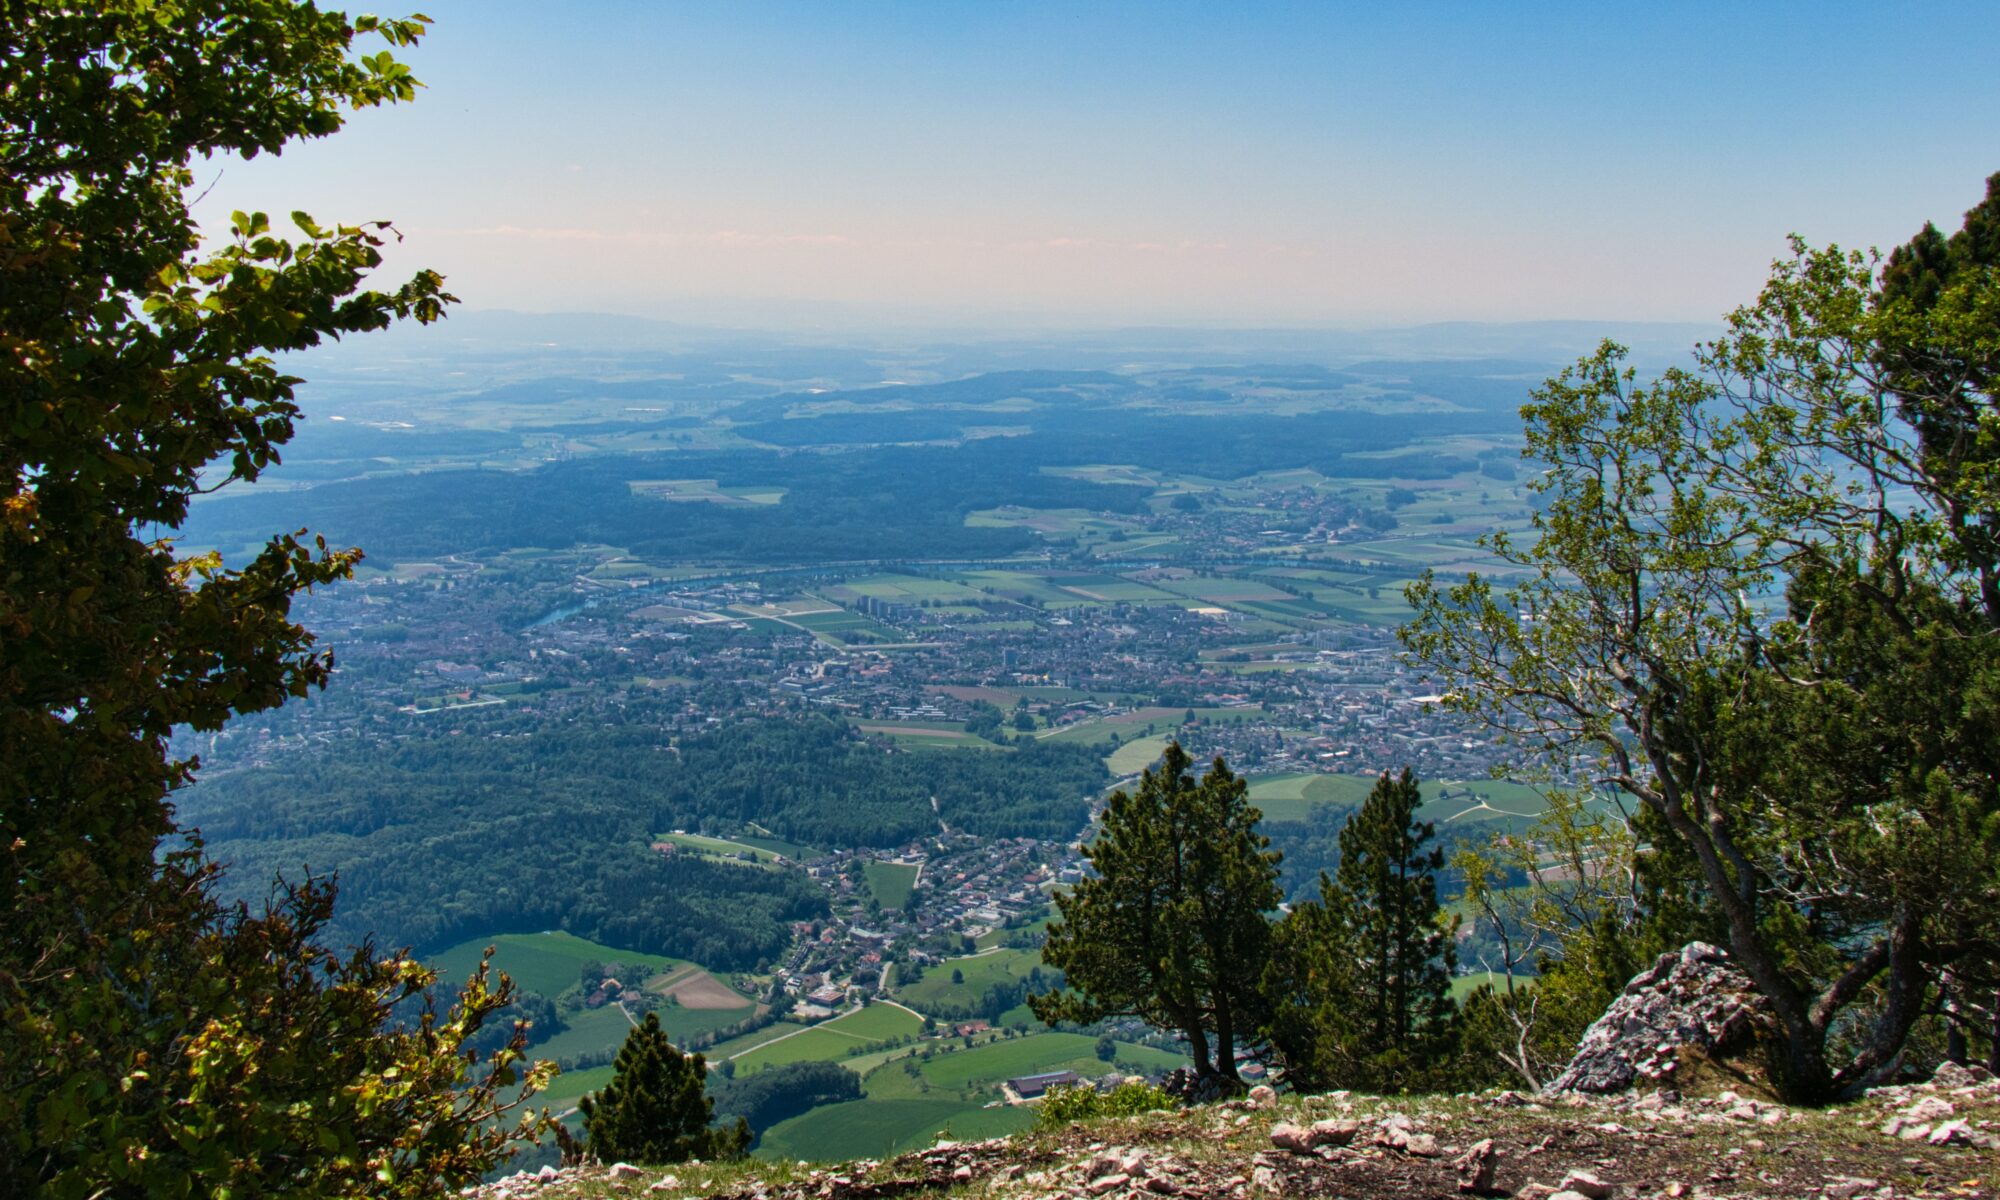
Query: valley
[781, 714]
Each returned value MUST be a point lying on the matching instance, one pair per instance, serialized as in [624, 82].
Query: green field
[537, 962]
[1135, 756]
[995, 1062]
[790, 850]
[909, 589]
[1292, 798]
[752, 1040]
[879, 1022]
[927, 735]
[1463, 985]
[832, 1040]
[720, 847]
[879, 1128]
[566, 1087]
[890, 882]
[589, 1031]
[979, 972]
[818, 1044]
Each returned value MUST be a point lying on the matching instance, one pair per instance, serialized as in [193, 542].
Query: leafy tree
[152, 1040]
[1171, 928]
[1362, 995]
[655, 1109]
[1823, 775]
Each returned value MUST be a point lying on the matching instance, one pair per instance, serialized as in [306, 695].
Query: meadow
[1447, 802]
[977, 973]
[839, 1038]
[537, 962]
[890, 882]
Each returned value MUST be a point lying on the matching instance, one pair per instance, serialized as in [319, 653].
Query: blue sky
[1241, 164]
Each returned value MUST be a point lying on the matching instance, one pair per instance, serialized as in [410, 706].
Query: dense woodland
[874, 502]
[780, 1092]
[814, 781]
[444, 838]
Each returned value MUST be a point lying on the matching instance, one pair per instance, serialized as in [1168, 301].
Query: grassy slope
[890, 882]
[538, 962]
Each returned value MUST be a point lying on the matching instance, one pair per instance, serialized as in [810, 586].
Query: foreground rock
[1651, 1145]
[1692, 1001]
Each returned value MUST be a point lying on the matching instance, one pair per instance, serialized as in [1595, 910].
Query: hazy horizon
[951, 165]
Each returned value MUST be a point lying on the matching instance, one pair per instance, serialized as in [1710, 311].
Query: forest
[859, 504]
[440, 838]
[814, 781]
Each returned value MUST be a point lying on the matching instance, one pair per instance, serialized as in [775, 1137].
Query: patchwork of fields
[551, 963]
[922, 1095]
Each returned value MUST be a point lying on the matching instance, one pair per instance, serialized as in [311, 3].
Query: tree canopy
[1763, 600]
[656, 1108]
[152, 1040]
[1172, 925]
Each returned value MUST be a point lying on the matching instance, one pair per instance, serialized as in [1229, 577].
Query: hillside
[1365, 1147]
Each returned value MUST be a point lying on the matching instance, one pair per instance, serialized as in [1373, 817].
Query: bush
[1083, 1102]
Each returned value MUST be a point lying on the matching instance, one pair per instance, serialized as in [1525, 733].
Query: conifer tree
[1172, 927]
[656, 1108]
[1391, 881]
[1359, 989]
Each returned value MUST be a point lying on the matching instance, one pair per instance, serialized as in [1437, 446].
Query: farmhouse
[1034, 1087]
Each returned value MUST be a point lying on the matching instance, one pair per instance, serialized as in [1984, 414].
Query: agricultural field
[912, 1100]
[879, 1128]
[537, 962]
[1464, 985]
[1098, 731]
[890, 882]
[723, 848]
[833, 1040]
[564, 1090]
[590, 1030]
[750, 1041]
[977, 972]
[1135, 756]
[910, 589]
[762, 839]
[878, 1021]
[1024, 586]
[1293, 797]
[694, 990]
[706, 491]
[991, 1064]
[842, 626]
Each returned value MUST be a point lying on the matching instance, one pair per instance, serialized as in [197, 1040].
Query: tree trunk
[1955, 1048]
[1225, 1041]
[1993, 1037]
[1807, 1076]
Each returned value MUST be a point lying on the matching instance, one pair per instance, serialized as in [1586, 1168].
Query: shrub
[1083, 1102]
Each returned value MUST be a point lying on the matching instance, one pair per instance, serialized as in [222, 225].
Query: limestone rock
[1333, 1132]
[1475, 1167]
[1694, 998]
[1930, 1108]
[1586, 1184]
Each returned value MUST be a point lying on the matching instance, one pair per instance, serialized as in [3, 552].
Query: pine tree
[1359, 989]
[1172, 927]
[1391, 880]
[656, 1108]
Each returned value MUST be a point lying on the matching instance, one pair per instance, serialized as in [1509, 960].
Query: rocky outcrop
[1693, 999]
